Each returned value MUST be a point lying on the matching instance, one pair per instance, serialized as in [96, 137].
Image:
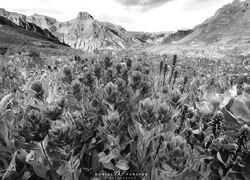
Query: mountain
[225, 34]
[23, 22]
[176, 36]
[33, 36]
[83, 32]
[229, 26]
[152, 37]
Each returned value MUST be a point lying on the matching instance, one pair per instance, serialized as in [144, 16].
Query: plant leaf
[220, 158]
[107, 158]
[123, 165]
[205, 107]
[12, 166]
[5, 100]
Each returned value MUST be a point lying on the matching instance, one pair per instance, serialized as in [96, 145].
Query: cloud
[146, 5]
[42, 11]
[134, 15]
[44, 1]
[143, 5]
[201, 4]
[114, 19]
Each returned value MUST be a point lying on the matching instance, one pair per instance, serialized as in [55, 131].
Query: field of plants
[143, 117]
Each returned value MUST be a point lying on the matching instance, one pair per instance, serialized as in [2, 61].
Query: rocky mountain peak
[3, 12]
[84, 16]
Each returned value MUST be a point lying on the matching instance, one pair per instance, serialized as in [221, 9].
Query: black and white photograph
[124, 89]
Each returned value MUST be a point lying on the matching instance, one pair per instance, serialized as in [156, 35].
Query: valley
[89, 100]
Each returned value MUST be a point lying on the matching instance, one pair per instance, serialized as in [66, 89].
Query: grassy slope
[16, 38]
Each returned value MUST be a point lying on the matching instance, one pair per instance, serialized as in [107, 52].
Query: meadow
[142, 117]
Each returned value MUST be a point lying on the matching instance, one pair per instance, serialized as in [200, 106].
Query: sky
[133, 15]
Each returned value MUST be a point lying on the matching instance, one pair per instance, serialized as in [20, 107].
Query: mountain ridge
[226, 33]
[82, 32]
[228, 25]
[13, 37]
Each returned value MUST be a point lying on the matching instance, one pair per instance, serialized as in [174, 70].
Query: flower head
[39, 90]
[136, 78]
[111, 92]
[147, 113]
[35, 127]
[61, 140]
[111, 121]
[174, 96]
[173, 153]
[164, 112]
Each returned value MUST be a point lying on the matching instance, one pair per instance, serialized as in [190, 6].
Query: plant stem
[45, 154]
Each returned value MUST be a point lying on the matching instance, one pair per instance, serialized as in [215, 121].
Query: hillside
[175, 37]
[23, 22]
[13, 34]
[15, 39]
[227, 33]
[229, 25]
[152, 37]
